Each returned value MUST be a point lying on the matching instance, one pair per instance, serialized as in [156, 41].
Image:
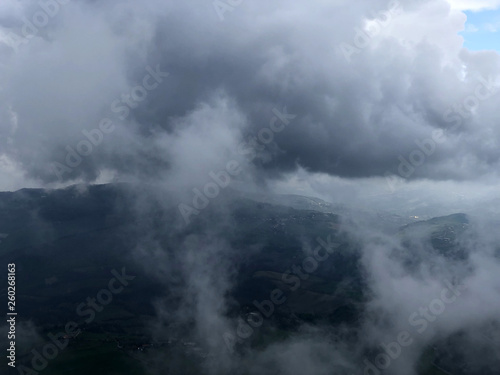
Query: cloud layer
[368, 83]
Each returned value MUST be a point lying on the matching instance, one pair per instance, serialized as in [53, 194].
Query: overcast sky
[378, 94]
[384, 103]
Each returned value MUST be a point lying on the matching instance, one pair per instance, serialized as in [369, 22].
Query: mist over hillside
[249, 286]
[250, 187]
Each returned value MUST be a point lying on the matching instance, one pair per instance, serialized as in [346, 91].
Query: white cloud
[493, 27]
[470, 28]
[11, 176]
[475, 5]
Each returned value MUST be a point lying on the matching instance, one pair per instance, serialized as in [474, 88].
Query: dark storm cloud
[358, 113]
[355, 117]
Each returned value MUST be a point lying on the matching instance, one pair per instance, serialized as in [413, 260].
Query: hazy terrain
[200, 301]
[248, 187]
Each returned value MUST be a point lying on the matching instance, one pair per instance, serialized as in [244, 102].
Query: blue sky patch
[482, 30]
